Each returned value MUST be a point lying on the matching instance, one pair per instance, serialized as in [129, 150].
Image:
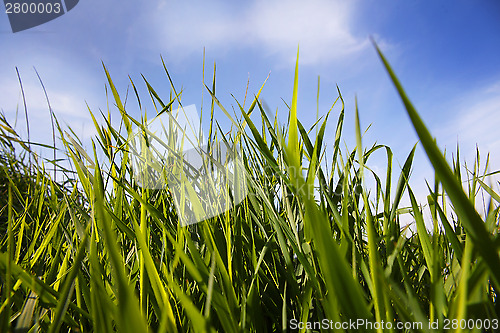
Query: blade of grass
[462, 205]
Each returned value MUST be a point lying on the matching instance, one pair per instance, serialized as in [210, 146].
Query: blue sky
[444, 52]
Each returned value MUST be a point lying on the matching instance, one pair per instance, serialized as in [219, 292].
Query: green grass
[96, 252]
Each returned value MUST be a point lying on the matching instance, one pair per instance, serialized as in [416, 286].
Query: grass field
[97, 252]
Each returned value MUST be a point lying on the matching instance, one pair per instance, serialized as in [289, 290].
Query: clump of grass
[307, 243]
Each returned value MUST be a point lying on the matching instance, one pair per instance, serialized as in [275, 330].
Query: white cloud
[65, 96]
[476, 122]
[276, 27]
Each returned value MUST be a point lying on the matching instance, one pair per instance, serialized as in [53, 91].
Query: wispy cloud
[323, 28]
[65, 101]
[476, 122]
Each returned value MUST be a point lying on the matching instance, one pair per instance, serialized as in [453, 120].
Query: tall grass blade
[463, 207]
